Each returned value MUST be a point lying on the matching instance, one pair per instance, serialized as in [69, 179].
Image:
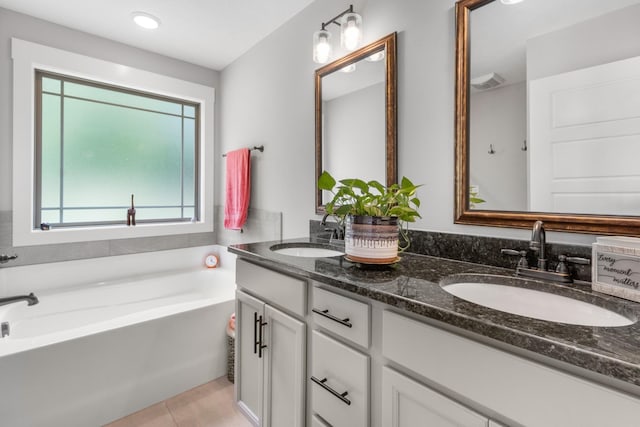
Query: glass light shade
[351, 31]
[321, 46]
[145, 20]
[348, 68]
[375, 57]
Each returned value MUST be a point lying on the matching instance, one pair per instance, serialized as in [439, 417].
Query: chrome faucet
[31, 299]
[538, 242]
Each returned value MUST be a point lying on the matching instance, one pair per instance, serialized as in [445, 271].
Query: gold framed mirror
[356, 115]
[572, 191]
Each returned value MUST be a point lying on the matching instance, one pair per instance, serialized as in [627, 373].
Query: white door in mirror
[211, 261]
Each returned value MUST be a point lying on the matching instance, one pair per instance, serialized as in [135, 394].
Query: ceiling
[211, 33]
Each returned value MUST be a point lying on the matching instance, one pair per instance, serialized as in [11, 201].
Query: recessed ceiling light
[145, 20]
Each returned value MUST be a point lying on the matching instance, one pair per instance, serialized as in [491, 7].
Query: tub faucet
[31, 299]
[537, 244]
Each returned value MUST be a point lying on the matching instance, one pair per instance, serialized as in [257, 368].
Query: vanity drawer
[343, 316]
[343, 397]
[277, 288]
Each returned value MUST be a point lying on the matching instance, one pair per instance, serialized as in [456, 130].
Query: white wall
[267, 97]
[354, 134]
[609, 38]
[501, 177]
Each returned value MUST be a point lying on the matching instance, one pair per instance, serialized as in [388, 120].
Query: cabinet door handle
[323, 383]
[260, 345]
[256, 342]
[325, 313]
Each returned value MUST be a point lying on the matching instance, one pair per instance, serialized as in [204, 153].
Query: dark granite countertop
[413, 285]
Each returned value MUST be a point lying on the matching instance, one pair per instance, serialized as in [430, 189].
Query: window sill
[85, 234]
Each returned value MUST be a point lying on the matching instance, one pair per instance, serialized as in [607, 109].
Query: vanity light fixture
[375, 57]
[348, 68]
[350, 35]
[145, 20]
[350, 31]
[321, 46]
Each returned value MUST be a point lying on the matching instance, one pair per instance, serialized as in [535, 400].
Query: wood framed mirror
[547, 131]
[356, 115]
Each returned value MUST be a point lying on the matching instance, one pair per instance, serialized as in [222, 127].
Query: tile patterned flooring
[208, 405]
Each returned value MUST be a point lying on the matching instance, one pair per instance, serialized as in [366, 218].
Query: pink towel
[238, 188]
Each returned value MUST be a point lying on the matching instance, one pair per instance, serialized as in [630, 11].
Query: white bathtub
[87, 354]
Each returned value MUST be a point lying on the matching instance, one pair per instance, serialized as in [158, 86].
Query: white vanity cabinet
[523, 391]
[309, 354]
[270, 347]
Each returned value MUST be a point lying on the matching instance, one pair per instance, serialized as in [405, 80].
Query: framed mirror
[355, 109]
[548, 114]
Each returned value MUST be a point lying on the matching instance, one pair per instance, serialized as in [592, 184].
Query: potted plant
[374, 216]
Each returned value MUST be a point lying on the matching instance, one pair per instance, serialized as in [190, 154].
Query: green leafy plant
[357, 197]
[473, 197]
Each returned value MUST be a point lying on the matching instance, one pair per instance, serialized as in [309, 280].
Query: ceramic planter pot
[371, 239]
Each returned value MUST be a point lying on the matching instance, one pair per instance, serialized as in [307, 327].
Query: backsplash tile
[40, 254]
[261, 226]
[482, 249]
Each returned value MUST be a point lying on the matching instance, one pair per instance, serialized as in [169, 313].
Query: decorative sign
[618, 269]
[616, 272]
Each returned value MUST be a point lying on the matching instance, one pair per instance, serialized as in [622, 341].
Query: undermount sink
[536, 304]
[306, 250]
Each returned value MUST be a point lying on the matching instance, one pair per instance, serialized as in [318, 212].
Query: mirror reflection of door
[565, 87]
[353, 122]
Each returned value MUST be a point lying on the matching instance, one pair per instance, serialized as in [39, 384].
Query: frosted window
[98, 145]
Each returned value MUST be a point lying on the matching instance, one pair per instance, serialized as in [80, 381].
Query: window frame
[39, 75]
[29, 57]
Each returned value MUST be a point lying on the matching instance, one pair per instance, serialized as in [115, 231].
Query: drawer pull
[322, 383]
[326, 314]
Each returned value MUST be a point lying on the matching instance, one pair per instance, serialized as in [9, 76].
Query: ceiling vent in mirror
[487, 81]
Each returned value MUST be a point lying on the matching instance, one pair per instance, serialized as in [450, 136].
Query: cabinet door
[249, 364]
[407, 403]
[284, 358]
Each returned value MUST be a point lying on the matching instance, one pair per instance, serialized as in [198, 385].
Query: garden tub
[89, 354]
